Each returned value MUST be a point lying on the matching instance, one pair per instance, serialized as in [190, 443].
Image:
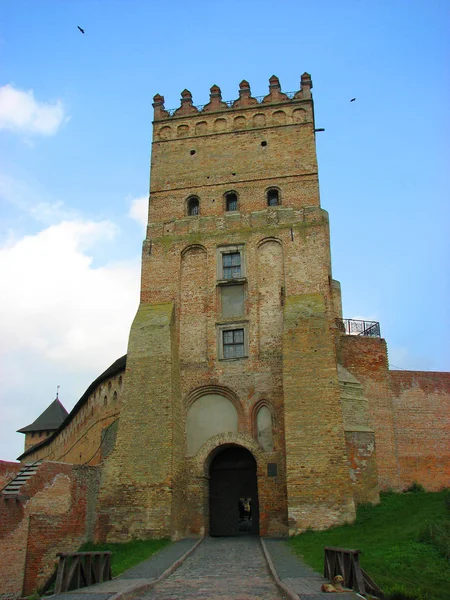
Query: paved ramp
[220, 569]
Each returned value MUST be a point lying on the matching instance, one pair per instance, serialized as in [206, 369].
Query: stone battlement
[245, 100]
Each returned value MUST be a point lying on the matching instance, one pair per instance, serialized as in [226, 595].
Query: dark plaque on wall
[272, 470]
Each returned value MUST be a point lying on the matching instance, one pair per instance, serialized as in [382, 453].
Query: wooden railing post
[80, 569]
[345, 562]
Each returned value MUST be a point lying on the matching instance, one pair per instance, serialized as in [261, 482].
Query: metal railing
[357, 327]
[229, 103]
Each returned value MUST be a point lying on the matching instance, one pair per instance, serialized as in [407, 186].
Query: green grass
[397, 552]
[128, 554]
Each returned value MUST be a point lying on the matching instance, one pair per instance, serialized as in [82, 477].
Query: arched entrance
[233, 493]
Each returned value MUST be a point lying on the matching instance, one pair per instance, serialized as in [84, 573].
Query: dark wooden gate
[233, 498]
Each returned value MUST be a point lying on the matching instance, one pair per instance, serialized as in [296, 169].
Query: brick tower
[232, 360]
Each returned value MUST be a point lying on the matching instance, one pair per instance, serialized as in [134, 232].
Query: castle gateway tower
[234, 416]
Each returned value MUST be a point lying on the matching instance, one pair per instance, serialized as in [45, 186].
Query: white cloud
[59, 305]
[21, 112]
[139, 210]
[63, 320]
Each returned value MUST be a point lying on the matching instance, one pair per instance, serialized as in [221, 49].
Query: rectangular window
[233, 343]
[231, 265]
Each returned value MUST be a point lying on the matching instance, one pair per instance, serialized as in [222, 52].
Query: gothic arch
[194, 395]
[254, 412]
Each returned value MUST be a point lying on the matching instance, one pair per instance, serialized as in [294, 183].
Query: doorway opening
[233, 493]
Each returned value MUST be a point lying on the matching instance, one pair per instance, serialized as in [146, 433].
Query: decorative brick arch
[193, 247]
[199, 471]
[203, 458]
[254, 413]
[221, 390]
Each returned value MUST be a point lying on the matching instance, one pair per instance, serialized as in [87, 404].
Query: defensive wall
[55, 512]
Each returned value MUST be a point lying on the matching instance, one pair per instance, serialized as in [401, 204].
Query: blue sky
[75, 131]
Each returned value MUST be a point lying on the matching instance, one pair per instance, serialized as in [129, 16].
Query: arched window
[264, 428]
[231, 201]
[193, 207]
[273, 197]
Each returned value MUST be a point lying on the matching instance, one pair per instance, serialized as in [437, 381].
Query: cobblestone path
[220, 568]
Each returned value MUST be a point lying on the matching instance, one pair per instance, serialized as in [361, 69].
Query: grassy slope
[388, 535]
[129, 554]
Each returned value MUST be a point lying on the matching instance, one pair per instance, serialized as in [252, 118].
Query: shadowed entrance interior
[233, 493]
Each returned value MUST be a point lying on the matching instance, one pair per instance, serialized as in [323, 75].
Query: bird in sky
[352, 100]
[82, 30]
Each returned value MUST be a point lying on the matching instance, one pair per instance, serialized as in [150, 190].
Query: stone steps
[12, 489]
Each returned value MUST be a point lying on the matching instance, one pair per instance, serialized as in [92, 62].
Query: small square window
[233, 343]
[231, 265]
[232, 340]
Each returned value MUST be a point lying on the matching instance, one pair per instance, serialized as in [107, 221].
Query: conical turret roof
[50, 419]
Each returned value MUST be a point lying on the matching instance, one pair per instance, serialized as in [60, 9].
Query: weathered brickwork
[50, 515]
[237, 342]
[248, 150]
[366, 359]
[421, 407]
[85, 435]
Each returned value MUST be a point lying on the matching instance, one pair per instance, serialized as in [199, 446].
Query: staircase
[12, 489]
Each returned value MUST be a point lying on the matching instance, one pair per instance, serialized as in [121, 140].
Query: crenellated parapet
[245, 99]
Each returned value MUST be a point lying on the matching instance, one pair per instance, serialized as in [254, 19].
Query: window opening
[193, 207]
[231, 200]
[231, 265]
[233, 343]
[272, 198]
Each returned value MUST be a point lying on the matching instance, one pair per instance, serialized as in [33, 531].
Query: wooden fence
[345, 562]
[79, 569]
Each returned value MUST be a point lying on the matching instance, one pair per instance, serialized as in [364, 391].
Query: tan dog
[336, 586]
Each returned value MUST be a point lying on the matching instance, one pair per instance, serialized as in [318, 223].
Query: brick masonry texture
[343, 425]
[49, 516]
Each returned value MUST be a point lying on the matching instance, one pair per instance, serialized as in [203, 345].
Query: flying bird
[82, 30]
[352, 100]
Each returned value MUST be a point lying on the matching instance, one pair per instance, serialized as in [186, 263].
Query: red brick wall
[421, 404]
[366, 359]
[50, 517]
[8, 470]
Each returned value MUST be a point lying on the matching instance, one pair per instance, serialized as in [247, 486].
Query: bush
[415, 488]
[438, 535]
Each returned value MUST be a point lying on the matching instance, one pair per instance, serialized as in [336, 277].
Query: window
[232, 340]
[193, 206]
[231, 265]
[231, 201]
[233, 343]
[273, 197]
